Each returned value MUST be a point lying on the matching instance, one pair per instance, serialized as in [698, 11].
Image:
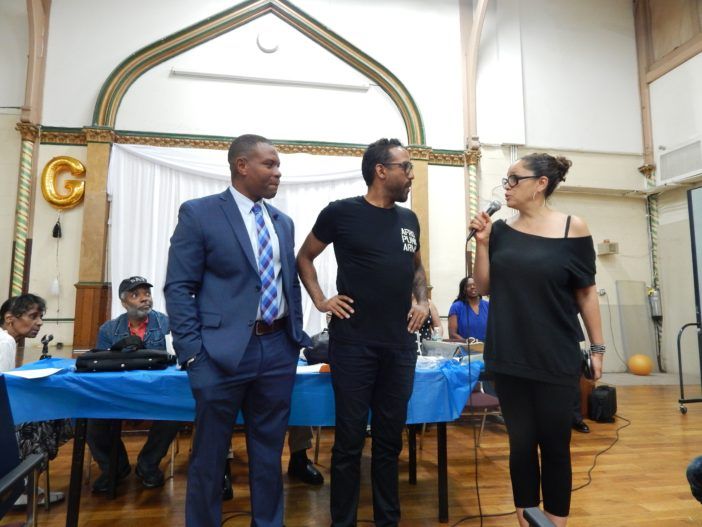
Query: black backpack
[319, 352]
[603, 404]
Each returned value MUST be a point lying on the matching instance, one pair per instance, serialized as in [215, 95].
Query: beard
[401, 195]
[138, 312]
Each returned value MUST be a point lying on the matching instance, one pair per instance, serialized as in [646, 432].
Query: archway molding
[131, 68]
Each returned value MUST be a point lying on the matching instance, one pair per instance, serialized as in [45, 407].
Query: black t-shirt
[533, 329]
[375, 250]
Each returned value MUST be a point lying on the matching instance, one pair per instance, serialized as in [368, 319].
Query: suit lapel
[282, 241]
[233, 215]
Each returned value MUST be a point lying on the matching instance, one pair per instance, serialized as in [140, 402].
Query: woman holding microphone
[539, 269]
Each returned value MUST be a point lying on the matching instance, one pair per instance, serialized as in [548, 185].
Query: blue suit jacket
[213, 287]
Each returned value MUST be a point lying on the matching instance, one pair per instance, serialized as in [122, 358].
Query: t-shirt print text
[409, 240]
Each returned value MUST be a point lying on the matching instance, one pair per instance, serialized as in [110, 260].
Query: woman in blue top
[468, 314]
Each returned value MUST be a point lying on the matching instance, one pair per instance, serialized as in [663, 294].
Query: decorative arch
[130, 69]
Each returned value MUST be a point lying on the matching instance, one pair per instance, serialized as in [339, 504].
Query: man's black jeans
[379, 379]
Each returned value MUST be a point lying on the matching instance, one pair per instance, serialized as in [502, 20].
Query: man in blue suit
[233, 299]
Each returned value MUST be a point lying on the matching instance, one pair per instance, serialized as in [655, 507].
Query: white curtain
[146, 186]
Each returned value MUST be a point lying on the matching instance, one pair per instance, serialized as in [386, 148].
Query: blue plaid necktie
[269, 292]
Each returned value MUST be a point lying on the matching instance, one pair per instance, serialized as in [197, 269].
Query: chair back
[10, 457]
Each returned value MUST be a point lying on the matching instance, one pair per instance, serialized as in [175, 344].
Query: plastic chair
[14, 470]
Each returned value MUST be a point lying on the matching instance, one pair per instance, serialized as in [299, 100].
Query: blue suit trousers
[261, 388]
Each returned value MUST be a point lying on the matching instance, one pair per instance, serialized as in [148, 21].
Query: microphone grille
[494, 207]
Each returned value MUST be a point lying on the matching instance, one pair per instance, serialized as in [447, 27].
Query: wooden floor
[640, 481]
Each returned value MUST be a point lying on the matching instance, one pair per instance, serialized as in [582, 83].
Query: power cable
[480, 514]
[594, 461]
[475, 460]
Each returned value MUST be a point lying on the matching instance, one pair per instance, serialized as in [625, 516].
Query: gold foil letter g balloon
[75, 188]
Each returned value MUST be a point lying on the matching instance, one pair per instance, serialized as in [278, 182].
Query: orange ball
[640, 364]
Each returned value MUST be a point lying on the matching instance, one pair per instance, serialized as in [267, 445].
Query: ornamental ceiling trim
[63, 136]
[78, 137]
[131, 68]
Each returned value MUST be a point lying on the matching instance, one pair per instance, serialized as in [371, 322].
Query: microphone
[45, 346]
[492, 208]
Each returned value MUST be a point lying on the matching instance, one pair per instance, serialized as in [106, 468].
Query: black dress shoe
[495, 418]
[227, 490]
[150, 478]
[300, 467]
[581, 427]
[102, 483]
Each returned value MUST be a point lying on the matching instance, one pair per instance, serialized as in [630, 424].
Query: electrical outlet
[601, 292]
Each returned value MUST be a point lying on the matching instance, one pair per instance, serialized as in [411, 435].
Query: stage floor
[639, 482]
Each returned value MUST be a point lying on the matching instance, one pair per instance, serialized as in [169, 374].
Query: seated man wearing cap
[151, 327]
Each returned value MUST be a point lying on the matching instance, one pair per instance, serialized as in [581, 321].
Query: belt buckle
[261, 328]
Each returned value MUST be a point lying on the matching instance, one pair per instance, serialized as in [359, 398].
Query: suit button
[258, 288]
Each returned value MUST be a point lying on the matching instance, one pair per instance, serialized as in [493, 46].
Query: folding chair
[13, 470]
[482, 404]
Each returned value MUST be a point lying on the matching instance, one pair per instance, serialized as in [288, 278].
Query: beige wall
[447, 234]
[671, 38]
[10, 144]
[677, 286]
[621, 220]
[45, 265]
[618, 218]
[600, 189]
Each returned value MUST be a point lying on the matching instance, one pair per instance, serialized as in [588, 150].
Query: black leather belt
[261, 328]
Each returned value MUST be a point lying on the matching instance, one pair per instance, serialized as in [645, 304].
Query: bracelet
[597, 348]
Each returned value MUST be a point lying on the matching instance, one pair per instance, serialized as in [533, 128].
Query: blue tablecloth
[440, 394]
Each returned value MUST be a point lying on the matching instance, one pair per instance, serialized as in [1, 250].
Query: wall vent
[680, 163]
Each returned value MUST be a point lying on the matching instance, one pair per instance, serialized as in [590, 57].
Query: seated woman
[467, 320]
[468, 314]
[21, 317]
[431, 329]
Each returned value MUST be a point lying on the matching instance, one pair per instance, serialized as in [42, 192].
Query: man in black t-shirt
[372, 346]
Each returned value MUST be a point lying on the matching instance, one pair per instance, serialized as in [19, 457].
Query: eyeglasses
[512, 180]
[406, 166]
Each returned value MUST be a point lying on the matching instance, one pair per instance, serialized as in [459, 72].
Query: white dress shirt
[8, 351]
[245, 205]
